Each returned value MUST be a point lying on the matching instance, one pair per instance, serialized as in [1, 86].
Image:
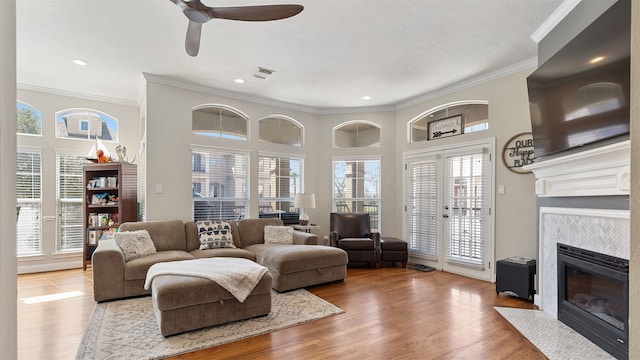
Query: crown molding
[78, 95]
[473, 81]
[554, 19]
[158, 79]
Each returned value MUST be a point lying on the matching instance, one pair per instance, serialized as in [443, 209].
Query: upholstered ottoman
[297, 266]
[183, 303]
[394, 250]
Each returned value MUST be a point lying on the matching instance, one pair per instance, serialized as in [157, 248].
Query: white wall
[49, 103]
[515, 212]
[169, 139]
[8, 292]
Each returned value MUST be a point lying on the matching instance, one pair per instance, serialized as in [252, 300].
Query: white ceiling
[327, 57]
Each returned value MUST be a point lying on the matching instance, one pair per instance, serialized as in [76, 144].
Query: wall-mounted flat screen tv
[580, 95]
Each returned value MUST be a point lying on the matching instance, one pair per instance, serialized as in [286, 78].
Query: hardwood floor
[390, 313]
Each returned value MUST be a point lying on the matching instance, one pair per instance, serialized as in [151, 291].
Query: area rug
[555, 339]
[127, 329]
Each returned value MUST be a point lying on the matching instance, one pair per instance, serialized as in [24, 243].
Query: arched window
[219, 121]
[29, 119]
[357, 133]
[475, 117]
[279, 129]
[86, 124]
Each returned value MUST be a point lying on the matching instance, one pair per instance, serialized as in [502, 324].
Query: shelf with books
[110, 195]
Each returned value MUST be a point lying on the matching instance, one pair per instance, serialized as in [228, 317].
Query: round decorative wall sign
[518, 152]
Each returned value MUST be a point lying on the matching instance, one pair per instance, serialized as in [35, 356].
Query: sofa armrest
[303, 238]
[376, 243]
[333, 239]
[107, 265]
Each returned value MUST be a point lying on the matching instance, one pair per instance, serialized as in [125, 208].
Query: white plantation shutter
[69, 185]
[29, 200]
[422, 208]
[468, 210]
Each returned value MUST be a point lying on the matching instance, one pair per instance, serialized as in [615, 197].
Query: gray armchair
[351, 232]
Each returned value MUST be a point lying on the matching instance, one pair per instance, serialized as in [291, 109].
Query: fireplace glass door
[593, 297]
[600, 296]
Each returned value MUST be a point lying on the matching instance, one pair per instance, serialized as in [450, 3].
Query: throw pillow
[135, 244]
[215, 235]
[278, 234]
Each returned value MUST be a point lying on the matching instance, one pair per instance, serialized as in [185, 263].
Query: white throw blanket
[237, 276]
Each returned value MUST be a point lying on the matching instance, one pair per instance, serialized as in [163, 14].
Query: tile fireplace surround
[591, 173]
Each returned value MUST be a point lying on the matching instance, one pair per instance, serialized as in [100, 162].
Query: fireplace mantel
[600, 171]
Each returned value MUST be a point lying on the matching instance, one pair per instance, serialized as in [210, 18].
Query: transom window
[279, 129]
[475, 117]
[219, 121]
[86, 124]
[29, 119]
[356, 187]
[357, 133]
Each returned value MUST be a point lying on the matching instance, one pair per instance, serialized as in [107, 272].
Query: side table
[311, 229]
[516, 278]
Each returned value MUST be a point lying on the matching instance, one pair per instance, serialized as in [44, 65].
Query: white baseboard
[27, 269]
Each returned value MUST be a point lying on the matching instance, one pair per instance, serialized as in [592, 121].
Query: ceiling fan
[198, 14]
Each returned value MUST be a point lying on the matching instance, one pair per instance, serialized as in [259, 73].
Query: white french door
[449, 201]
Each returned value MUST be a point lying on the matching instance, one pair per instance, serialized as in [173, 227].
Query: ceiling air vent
[262, 73]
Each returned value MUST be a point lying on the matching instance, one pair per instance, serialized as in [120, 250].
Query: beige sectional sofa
[292, 266]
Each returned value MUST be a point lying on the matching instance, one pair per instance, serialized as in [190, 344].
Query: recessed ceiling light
[238, 81]
[79, 62]
[596, 59]
[366, 97]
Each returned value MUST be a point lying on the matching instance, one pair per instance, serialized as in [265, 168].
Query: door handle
[446, 216]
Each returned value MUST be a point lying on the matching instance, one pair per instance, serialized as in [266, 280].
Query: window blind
[279, 179]
[69, 186]
[356, 188]
[29, 201]
[466, 225]
[220, 191]
[422, 208]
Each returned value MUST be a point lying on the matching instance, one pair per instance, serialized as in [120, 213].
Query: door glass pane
[69, 202]
[467, 214]
[29, 202]
[423, 209]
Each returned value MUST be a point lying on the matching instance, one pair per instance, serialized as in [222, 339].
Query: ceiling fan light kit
[198, 14]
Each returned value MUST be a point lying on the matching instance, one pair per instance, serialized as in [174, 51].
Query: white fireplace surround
[596, 172]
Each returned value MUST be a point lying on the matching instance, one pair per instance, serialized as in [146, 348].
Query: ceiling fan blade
[192, 42]
[255, 13]
[181, 4]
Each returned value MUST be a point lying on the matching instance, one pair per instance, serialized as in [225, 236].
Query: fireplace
[593, 297]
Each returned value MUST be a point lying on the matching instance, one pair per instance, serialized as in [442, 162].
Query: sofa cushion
[286, 259]
[214, 235]
[192, 238]
[137, 269]
[357, 244]
[224, 252]
[251, 231]
[278, 234]
[166, 234]
[135, 244]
